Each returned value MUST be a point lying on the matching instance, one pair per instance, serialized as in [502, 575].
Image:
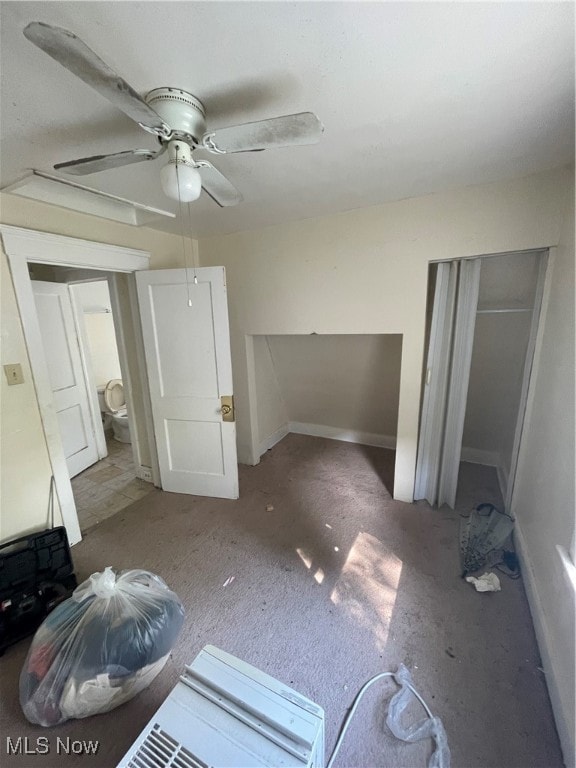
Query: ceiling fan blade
[96, 163]
[223, 192]
[287, 131]
[67, 49]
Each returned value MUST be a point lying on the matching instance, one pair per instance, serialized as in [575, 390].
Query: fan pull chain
[193, 259]
[183, 238]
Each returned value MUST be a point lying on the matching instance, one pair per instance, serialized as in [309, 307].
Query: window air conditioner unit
[224, 713]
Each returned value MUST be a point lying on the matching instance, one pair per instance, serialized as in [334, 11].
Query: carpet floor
[334, 581]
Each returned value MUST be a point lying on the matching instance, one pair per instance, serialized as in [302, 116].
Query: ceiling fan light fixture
[181, 181]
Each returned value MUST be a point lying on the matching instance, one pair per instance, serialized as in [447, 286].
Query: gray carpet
[335, 584]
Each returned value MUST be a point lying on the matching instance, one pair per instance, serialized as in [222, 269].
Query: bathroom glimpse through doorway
[95, 426]
[111, 484]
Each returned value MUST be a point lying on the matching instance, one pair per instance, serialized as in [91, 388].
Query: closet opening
[482, 321]
[344, 387]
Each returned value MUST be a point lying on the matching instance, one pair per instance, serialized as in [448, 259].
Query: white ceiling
[415, 97]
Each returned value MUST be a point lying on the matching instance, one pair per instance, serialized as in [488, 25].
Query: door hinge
[227, 407]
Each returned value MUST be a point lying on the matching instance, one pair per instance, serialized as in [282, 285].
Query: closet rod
[499, 311]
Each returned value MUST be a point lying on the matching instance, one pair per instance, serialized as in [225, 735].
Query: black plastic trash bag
[100, 647]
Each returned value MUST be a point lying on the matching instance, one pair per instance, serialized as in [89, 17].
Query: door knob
[227, 407]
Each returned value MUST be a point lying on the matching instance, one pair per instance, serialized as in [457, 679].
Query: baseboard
[144, 473]
[563, 722]
[272, 439]
[346, 435]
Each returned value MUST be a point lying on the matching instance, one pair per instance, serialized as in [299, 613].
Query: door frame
[25, 246]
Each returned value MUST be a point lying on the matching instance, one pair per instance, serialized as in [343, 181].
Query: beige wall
[348, 381]
[25, 467]
[544, 500]
[365, 272]
[496, 370]
[100, 333]
[272, 414]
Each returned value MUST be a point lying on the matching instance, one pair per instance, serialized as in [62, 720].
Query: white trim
[563, 723]
[142, 470]
[274, 438]
[64, 193]
[22, 246]
[544, 277]
[346, 435]
[127, 382]
[47, 248]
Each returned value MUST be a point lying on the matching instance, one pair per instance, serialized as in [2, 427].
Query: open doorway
[23, 247]
[76, 320]
[158, 316]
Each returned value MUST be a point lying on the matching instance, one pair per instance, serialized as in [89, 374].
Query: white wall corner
[246, 455]
[488, 459]
[271, 440]
[503, 480]
[563, 719]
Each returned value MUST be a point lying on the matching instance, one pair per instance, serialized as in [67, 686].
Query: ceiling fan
[178, 120]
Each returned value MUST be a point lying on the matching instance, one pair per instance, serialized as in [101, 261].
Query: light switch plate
[13, 373]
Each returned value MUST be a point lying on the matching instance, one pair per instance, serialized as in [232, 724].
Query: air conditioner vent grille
[160, 750]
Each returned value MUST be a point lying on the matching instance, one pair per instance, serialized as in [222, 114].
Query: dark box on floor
[36, 573]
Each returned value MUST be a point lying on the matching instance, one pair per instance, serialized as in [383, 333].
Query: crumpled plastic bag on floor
[482, 533]
[100, 647]
[488, 582]
[431, 727]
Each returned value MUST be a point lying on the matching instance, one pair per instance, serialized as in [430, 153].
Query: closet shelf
[501, 311]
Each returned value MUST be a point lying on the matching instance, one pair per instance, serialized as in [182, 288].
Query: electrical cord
[361, 692]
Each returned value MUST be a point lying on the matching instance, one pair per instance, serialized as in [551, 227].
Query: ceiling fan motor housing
[183, 112]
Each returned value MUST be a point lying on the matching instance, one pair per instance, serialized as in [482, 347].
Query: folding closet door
[447, 376]
[436, 384]
[467, 302]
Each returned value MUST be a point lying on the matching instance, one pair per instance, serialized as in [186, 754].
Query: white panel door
[187, 349]
[436, 384]
[62, 353]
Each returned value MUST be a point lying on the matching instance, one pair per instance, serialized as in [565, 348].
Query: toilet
[113, 408]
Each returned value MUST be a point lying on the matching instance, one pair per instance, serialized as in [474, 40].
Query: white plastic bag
[100, 647]
[431, 727]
